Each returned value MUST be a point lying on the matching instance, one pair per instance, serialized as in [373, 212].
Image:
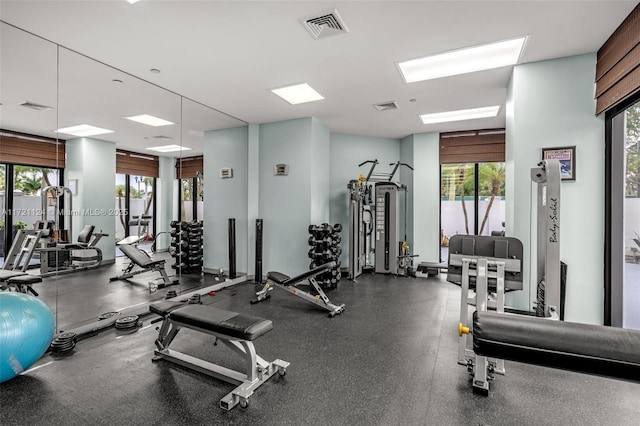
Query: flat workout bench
[290, 284]
[146, 263]
[236, 331]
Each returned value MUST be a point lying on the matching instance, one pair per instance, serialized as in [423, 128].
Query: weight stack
[187, 243]
[325, 246]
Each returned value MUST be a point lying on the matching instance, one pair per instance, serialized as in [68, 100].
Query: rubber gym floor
[389, 359]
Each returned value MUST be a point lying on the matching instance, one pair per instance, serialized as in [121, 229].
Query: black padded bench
[141, 259]
[236, 331]
[605, 351]
[290, 284]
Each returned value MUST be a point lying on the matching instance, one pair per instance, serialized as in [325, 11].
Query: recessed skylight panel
[460, 115]
[298, 93]
[462, 61]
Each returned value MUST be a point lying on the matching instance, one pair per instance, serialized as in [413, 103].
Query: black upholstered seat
[216, 320]
[24, 279]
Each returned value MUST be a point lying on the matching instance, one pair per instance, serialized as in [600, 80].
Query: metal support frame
[321, 299]
[485, 270]
[22, 249]
[258, 371]
[83, 263]
[547, 176]
[161, 282]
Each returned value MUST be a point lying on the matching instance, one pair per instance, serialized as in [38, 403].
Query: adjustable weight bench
[236, 331]
[20, 281]
[594, 349]
[290, 284]
[141, 259]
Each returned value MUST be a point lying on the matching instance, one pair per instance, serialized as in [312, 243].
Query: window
[622, 263]
[472, 201]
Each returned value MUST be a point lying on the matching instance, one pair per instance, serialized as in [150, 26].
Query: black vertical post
[387, 229]
[258, 267]
[232, 248]
[476, 199]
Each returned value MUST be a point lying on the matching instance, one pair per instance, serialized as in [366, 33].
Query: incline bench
[290, 284]
[141, 259]
[236, 331]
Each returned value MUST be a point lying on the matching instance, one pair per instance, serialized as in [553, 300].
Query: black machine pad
[139, 257]
[485, 246]
[600, 350]
[220, 321]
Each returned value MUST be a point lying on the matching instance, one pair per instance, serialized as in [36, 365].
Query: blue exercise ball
[26, 329]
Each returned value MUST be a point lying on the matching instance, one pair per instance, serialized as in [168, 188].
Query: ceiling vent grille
[386, 106]
[162, 137]
[324, 24]
[35, 106]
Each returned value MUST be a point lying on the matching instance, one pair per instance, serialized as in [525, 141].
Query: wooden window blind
[189, 167]
[133, 163]
[474, 146]
[617, 67]
[31, 150]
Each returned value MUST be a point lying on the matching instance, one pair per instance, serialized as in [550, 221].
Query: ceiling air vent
[33, 105]
[324, 24]
[386, 106]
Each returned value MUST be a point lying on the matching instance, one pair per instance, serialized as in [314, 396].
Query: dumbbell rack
[186, 241]
[325, 242]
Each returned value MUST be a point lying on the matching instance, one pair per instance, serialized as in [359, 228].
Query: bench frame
[258, 371]
[291, 285]
[127, 272]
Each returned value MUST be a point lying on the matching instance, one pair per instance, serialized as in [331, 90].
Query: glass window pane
[491, 201]
[141, 209]
[631, 221]
[457, 209]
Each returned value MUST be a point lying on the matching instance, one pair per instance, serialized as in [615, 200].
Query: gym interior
[458, 231]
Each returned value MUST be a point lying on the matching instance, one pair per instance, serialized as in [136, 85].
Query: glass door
[491, 198]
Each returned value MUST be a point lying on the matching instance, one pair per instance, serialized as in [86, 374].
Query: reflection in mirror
[30, 156]
[128, 116]
[117, 185]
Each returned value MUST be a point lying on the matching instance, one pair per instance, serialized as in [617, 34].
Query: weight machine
[392, 256]
[487, 267]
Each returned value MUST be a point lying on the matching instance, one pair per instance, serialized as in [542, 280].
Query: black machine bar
[258, 266]
[232, 248]
[387, 201]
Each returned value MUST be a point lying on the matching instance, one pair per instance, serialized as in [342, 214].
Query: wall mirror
[126, 193]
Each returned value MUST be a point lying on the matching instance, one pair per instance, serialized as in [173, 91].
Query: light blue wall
[165, 201]
[347, 151]
[426, 197]
[320, 166]
[285, 201]
[93, 163]
[406, 177]
[551, 104]
[225, 198]
[253, 193]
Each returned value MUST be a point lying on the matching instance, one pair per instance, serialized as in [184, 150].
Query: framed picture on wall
[567, 158]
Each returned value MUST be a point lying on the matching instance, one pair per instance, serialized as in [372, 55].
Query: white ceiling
[228, 54]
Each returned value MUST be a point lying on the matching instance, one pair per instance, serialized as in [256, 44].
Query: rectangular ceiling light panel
[298, 94]
[169, 148]
[455, 62]
[460, 115]
[149, 120]
[83, 130]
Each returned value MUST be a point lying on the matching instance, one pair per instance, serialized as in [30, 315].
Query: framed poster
[567, 158]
